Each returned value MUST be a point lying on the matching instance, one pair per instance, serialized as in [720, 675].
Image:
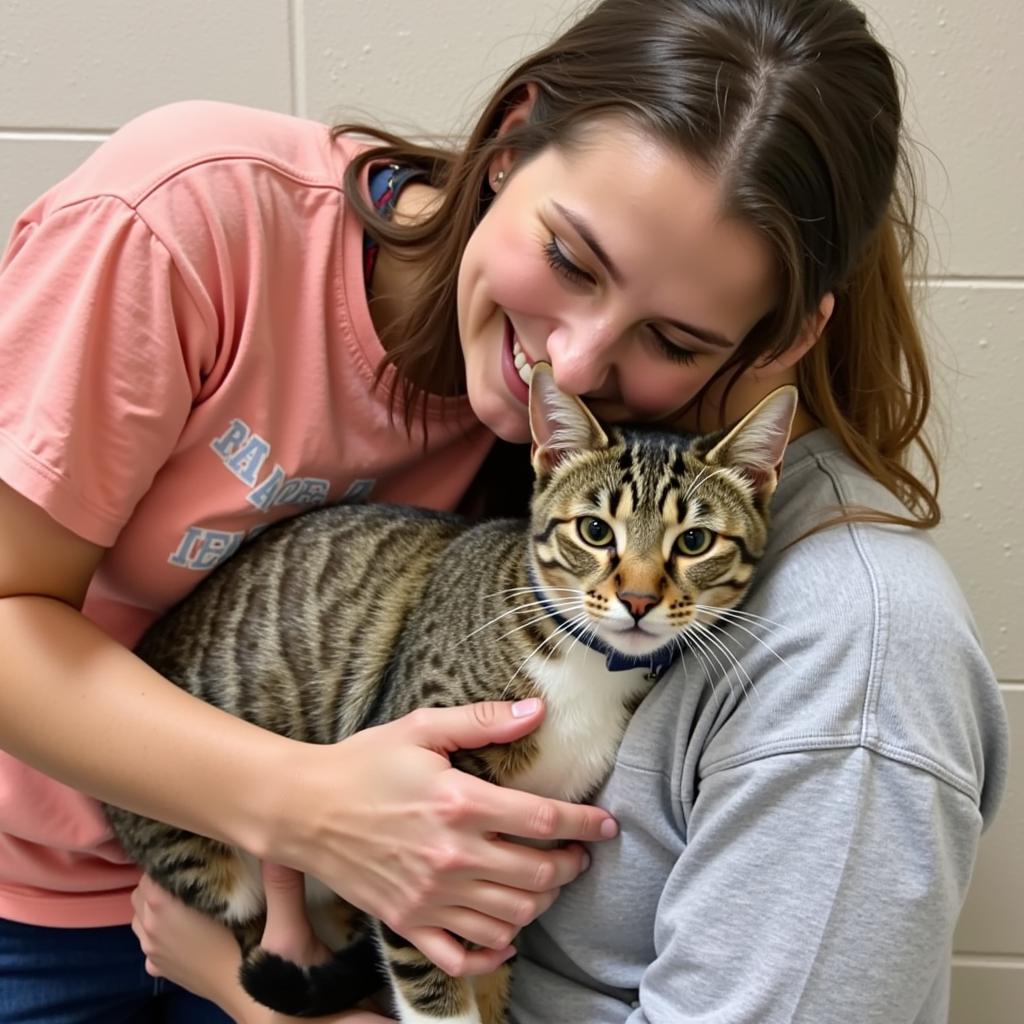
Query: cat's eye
[594, 531]
[694, 541]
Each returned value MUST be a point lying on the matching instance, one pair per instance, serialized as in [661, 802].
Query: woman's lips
[515, 366]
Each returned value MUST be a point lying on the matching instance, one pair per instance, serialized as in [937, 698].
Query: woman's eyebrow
[582, 228]
[702, 334]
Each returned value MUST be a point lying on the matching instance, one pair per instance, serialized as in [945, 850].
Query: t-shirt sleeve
[102, 349]
[820, 885]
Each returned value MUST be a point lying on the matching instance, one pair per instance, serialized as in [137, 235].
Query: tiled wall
[965, 78]
[73, 70]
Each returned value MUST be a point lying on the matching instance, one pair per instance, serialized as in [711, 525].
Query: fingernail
[525, 708]
[609, 828]
[586, 861]
[509, 955]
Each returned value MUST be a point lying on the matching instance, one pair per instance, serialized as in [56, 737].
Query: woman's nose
[581, 357]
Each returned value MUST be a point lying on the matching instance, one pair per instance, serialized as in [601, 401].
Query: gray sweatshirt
[797, 832]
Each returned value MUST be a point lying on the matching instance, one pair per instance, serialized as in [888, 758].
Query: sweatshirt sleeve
[816, 886]
[102, 346]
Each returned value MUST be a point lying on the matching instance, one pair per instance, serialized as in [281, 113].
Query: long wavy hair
[795, 108]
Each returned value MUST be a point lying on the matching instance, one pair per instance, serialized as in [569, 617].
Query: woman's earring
[499, 180]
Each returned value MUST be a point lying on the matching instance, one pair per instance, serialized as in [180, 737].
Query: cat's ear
[756, 444]
[561, 424]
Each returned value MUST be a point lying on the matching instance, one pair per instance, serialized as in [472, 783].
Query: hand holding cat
[387, 822]
[186, 946]
[200, 954]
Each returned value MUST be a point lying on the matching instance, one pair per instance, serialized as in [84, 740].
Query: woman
[225, 316]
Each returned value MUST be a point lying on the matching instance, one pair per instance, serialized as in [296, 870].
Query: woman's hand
[385, 821]
[201, 955]
[187, 947]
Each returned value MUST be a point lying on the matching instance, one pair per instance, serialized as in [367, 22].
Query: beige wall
[73, 70]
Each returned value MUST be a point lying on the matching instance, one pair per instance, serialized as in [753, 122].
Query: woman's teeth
[524, 369]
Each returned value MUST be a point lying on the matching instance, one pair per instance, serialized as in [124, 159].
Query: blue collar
[657, 662]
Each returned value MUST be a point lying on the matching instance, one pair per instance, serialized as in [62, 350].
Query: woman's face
[612, 263]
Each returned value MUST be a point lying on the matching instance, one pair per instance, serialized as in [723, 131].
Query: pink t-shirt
[186, 355]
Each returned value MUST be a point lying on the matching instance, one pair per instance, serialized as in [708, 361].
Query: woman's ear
[814, 327]
[517, 113]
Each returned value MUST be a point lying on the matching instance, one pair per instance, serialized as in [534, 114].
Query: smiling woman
[596, 256]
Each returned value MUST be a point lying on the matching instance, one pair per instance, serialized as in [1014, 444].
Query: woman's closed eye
[561, 263]
[671, 349]
[576, 275]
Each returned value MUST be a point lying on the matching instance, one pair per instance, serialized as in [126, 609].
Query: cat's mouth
[634, 639]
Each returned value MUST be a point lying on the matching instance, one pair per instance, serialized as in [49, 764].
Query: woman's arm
[819, 885]
[382, 818]
[80, 707]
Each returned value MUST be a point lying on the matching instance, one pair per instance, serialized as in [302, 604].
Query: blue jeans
[88, 976]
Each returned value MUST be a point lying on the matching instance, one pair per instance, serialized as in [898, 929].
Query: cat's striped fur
[351, 616]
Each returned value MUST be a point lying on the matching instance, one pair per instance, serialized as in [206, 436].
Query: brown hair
[795, 107]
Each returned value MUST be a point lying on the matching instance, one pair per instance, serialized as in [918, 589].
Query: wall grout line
[999, 961]
[968, 281]
[55, 134]
[297, 48]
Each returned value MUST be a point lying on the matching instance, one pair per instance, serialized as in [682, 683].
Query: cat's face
[638, 535]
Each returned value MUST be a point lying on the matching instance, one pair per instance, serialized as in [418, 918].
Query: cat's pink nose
[638, 605]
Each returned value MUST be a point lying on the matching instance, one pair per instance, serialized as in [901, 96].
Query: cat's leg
[422, 992]
[492, 995]
[213, 877]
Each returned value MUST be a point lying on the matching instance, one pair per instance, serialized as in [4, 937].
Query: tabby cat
[350, 616]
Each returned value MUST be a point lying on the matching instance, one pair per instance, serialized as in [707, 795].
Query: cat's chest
[587, 708]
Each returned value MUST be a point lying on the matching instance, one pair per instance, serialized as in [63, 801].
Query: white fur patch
[246, 899]
[407, 1015]
[584, 721]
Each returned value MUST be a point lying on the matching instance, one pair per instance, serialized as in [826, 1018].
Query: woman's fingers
[507, 906]
[453, 957]
[479, 929]
[516, 813]
[529, 869]
[184, 945]
[471, 726]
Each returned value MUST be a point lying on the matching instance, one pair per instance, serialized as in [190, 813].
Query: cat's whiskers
[695, 482]
[749, 617]
[569, 628]
[564, 627]
[533, 621]
[532, 590]
[707, 633]
[588, 633]
[695, 650]
[739, 625]
[563, 634]
[696, 637]
[701, 478]
[563, 602]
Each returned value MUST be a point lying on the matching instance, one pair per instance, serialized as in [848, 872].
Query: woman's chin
[510, 423]
[512, 433]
